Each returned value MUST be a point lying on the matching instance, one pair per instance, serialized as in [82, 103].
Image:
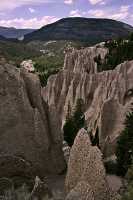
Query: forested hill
[89, 30]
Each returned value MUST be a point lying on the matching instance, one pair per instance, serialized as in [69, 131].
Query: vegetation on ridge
[119, 51]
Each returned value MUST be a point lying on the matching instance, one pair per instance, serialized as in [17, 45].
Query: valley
[66, 112]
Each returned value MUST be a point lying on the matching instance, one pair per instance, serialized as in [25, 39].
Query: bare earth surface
[115, 182]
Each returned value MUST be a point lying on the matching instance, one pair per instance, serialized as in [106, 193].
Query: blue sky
[37, 13]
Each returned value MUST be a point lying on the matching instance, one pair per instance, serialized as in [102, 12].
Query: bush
[74, 123]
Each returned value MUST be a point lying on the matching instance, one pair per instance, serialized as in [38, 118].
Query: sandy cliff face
[28, 140]
[107, 95]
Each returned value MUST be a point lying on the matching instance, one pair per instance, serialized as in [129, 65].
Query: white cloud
[12, 4]
[121, 14]
[69, 2]
[28, 23]
[75, 13]
[31, 10]
[96, 13]
[124, 8]
[94, 2]
[103, 3]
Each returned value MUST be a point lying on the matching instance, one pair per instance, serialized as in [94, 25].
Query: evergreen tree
[125, 146]
[129, 175]
[74, 123]
[78, 116]
[131, 37]
[128, 195]
[120, 50]
[95, 140]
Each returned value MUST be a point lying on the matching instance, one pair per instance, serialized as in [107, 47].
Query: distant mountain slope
[2, 38]
[13, 32]
[81, 29]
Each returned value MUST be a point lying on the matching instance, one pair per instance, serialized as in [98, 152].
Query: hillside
[47, 55]
[2, 38]
[16, 51]
[81, 29]
[13, 32]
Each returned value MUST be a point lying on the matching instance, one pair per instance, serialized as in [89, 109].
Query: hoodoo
[28, 142]
[107, 95]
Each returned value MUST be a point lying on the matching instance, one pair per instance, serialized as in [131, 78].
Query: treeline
[119, 51]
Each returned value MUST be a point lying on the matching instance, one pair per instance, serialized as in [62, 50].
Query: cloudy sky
[37, 13]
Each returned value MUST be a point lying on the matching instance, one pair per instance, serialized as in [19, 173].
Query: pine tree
[78, 116]
[74, 123]
[131, 37]
[125, 146]
[128, 195]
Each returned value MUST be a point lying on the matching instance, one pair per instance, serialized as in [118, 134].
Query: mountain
[89, 30]
[13, 32]
[2, 38]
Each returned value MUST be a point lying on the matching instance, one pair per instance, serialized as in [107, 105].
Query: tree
[129, 192]
[124, 151]
[128, 195]
[120, 50]
[125, 156]
[98, 60]
[74, 122]
[78, 116]
[95, 140]
[131, 37]
[129, 175]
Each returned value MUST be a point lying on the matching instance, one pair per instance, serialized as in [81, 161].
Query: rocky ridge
[107, 95]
